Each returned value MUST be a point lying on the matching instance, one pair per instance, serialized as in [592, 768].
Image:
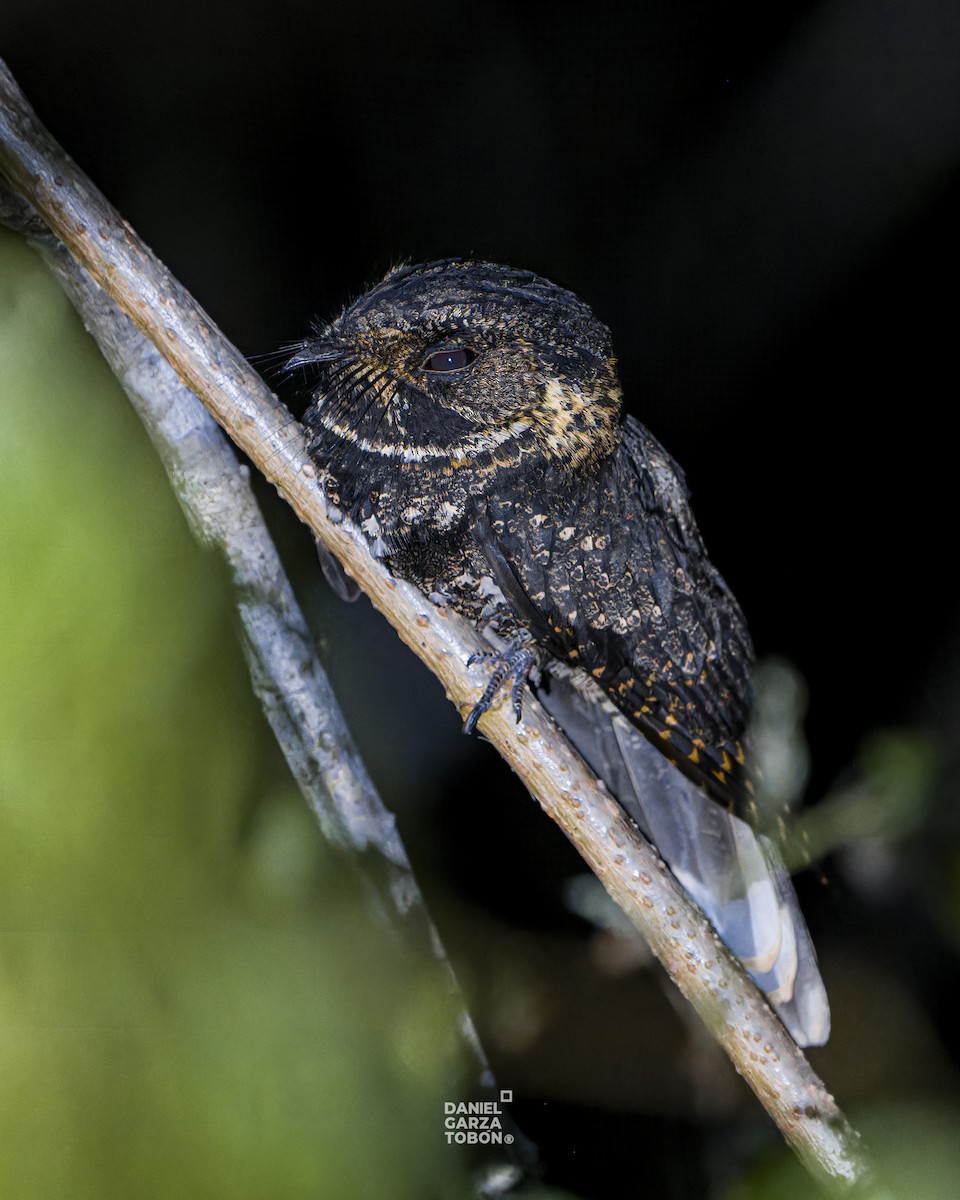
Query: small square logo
[506, 1095]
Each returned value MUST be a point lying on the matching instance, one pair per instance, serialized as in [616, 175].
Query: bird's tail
[734, 874]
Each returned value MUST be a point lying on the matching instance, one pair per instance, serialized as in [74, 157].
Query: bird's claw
[514, 665]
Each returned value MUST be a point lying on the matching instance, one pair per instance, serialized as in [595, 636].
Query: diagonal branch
[629, 868]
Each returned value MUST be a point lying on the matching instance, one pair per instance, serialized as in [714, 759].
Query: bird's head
[466, 363]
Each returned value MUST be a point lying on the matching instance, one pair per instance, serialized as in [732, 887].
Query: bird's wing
[652, 675]
[616, 582]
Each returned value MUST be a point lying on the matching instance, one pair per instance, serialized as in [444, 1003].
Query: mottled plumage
[467, 417]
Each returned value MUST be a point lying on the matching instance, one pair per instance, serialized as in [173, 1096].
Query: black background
[760, 201]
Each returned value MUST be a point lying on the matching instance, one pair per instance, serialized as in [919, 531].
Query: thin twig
[730, 1005]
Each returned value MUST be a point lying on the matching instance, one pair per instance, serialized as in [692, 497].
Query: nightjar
[468, 418]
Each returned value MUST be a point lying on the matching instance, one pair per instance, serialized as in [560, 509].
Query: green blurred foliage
[899, 771]
[193, 1000]
[915, 1150]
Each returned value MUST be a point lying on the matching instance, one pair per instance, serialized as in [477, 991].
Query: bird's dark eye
[453, 359]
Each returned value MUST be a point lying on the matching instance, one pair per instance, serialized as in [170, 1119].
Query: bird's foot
[512, 666]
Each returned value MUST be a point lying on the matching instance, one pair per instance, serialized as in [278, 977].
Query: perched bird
[468, 418]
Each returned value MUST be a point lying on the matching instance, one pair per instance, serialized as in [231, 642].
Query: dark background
[760, 201]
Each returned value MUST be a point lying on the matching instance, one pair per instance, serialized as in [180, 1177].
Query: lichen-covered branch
[628, 867]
